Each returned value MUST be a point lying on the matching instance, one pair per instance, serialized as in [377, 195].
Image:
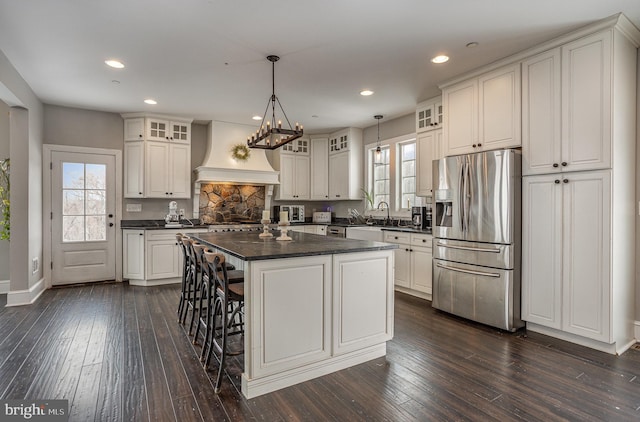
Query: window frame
[395, 209]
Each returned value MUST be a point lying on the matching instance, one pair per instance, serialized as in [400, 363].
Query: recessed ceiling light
[440, 59]
[366, 93]
[150, 101]
[472, 44]
[114, 63]
[257, 117]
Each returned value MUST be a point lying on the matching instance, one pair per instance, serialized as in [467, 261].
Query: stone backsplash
[224, 203]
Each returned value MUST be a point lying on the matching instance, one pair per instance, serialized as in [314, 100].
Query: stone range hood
[220, 167]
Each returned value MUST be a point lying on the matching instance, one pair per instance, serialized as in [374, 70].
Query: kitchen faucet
[387, 219]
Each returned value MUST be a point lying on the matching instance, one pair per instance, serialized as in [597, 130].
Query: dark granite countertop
[249, 247]
[406, 229]
[157, 225]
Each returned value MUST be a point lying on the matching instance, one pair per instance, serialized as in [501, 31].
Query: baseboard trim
[4, 286]
[159, 282]
[636, 330]
[26, 297]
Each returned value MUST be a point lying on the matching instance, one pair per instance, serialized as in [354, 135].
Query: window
[407, 176]
[392, 178]
[381, 176]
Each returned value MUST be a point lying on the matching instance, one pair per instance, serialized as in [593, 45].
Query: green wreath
[240, 152]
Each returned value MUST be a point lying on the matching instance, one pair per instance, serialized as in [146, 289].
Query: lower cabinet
[413, 260]
[576, 266]
[152, 257]
[310, 228]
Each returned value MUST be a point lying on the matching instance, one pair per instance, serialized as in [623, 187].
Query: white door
[83, 204]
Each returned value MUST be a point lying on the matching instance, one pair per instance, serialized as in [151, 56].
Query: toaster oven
[296, 213]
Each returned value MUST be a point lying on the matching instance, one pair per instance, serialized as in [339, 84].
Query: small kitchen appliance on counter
[172, 220]
[321, 217]
[296, 212]
[421, 218]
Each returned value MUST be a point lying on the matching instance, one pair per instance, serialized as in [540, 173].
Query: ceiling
[206, 59]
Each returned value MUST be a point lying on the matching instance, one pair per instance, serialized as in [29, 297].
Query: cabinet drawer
[424, 240]
[397, 237]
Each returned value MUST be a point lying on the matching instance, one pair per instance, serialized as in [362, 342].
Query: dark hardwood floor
[117, 353]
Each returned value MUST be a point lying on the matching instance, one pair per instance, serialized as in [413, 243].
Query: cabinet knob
[166, 137]
[474, 145]
[564, 164]
[410, 250]
[110, 224]
[395, 237]
[435, 124]
[139, 193]
[406, 249]
[110, 215]
[479, 145]
[140, 234]
[424, 240]
[556, 181]
[166, 193]
[565, 181]
[555, 165]
[139, 136]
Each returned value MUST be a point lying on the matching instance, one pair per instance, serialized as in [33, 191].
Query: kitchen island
[313, 305]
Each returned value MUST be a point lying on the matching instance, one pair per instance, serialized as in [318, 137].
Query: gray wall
[638, 193]
[4, 153]
[390, 129]
[25, 139]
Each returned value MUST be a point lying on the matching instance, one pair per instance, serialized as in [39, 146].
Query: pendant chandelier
[272, 135]
[378, 156]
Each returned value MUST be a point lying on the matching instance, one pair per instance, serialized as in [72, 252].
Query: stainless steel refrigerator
[477, 237]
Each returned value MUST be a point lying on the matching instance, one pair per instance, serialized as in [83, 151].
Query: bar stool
[185, 267]
[189, 278]
[226, 315]
[197, 250]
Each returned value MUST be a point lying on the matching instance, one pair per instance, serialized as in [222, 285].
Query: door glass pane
[72, 202]
[96, 176]
[96, 227]
[96, 202]
[72, 175]
[84, 202]
[72, 229]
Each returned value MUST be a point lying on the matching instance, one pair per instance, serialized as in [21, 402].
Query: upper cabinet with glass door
[429, 115]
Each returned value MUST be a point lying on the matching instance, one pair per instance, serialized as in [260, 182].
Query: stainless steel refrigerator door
[486, 295]
[484, 191]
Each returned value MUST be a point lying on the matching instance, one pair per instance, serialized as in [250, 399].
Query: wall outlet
[35, 265]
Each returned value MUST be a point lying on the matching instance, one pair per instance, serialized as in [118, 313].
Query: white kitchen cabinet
[578, 257]
[153, 257]
[541, 117]
[567, 107]
[133, 254]
[134, 169]
[429, 115]
[309, 228]
[345, 165]
[157, 156]
[167, 170]
[413, 260]
[429, 147]
[294, 177]
[319, 169]
[134, 129]
[299, 146]
[483, 113]
[566, 264]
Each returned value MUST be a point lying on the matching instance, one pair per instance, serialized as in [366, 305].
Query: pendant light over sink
[273, 135]
[378, 157]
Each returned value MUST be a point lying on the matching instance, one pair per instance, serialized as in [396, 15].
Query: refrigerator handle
[461, 186]
[461, 270]
[467, 195]
[466, 248]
